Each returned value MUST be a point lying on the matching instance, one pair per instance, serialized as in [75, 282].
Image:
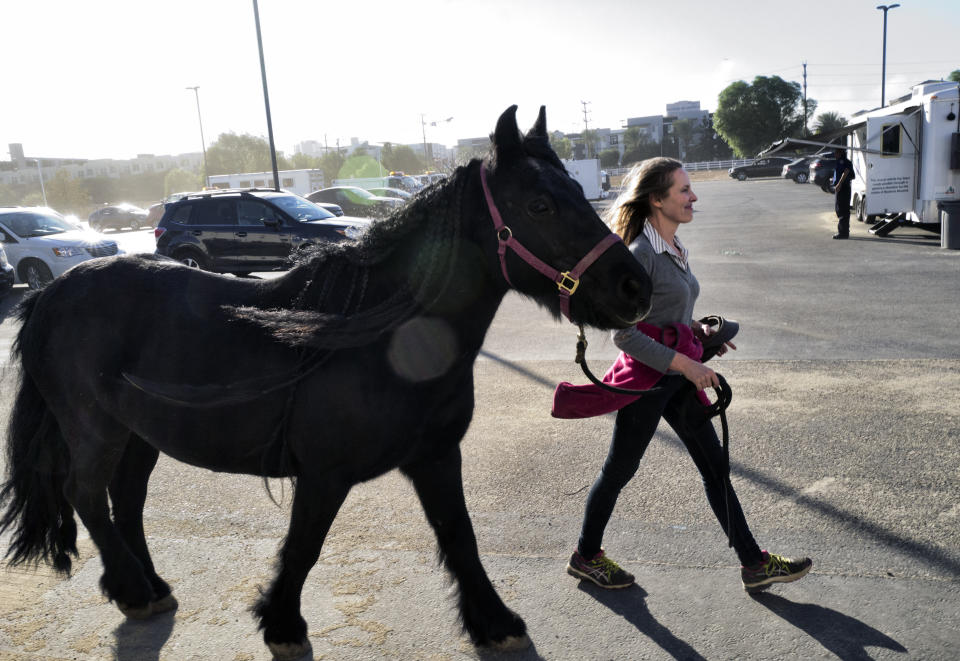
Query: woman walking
[657, 200]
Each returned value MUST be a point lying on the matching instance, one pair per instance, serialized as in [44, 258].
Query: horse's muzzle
[634, 293]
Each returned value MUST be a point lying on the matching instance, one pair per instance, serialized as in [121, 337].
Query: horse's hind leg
[93, 461]
[128, 493]
[485, 617]
[316, 502]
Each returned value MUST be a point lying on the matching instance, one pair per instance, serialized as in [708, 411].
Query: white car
[41, 245]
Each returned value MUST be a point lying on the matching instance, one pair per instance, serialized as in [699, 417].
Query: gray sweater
[674, 293]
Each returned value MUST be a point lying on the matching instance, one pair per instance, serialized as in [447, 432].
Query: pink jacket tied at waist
[570, 401]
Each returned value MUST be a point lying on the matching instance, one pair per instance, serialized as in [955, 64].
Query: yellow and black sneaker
[773, 569]
[600, 569]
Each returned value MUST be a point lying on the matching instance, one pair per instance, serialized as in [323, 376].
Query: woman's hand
[696, 372]
[726, 347]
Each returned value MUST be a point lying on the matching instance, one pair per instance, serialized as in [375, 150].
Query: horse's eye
[539, 207]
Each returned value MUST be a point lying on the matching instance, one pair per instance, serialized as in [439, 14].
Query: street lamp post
[203, 143]
[43, 191]
[883, 73]
[423, 125]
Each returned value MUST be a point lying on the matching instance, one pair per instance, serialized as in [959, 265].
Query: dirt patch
[698, 175]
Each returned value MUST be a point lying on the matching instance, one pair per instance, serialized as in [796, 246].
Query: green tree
[751, 116]
[360, 165]
[65, 194]
[330, 163]
[638, 146]
[633, 137]
[467, 154]
[829, 121]
[233, 154]
[561, 145]
[706, 144]
[609, 158]
[589, 138]
[400, 158]
[178, 181]
[954, 76]
[304, 162]
[683, 132]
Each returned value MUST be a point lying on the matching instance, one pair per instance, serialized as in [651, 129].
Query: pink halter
[568, 281]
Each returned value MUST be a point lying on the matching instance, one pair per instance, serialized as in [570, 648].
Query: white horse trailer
[906, 158]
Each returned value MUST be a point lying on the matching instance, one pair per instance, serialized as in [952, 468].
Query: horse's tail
[31, 498]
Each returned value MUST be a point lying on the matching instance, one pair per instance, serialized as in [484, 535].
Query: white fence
[702, 165]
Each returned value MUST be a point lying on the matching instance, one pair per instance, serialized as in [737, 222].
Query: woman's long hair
[649, 179]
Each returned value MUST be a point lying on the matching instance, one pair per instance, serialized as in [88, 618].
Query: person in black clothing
[842, 176]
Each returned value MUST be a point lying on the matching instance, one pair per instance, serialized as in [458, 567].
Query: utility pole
[805, 133]
[586, 127]
[423, 127]
[203, 143]
[883, 73]
[266, 99]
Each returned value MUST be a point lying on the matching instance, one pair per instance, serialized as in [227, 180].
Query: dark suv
[821, 171]
[244, 230]
[770, 166]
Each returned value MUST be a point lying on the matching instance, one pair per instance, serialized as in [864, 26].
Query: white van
[41, 244]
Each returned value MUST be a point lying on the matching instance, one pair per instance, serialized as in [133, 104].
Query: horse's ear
[506, 137]
[539, 129]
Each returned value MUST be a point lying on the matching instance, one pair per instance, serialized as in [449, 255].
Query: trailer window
[890, 140]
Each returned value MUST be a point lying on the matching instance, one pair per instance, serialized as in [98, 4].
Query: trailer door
[891, 159]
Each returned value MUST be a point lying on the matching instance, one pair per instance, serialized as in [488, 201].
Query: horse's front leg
[485, 617]
[315, 504]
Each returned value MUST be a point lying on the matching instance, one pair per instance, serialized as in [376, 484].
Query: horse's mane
[333, 310]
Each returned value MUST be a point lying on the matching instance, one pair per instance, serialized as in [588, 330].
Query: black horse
[358, 360]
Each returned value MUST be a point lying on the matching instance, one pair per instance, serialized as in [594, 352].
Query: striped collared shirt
[677, 252]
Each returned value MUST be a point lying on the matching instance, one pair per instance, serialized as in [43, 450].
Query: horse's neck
[470, 295]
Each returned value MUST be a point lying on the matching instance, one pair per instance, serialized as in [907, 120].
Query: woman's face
[677, 205]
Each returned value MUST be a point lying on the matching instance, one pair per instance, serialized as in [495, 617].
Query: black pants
[842, 207]
[635, 427]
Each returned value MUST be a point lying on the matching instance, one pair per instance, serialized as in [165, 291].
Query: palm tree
[829, 121]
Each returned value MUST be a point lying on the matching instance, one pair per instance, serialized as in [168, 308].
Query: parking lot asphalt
[845, 447]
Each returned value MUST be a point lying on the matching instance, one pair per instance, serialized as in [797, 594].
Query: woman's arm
[696, 372]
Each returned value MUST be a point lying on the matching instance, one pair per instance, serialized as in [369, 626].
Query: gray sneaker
[600, 569]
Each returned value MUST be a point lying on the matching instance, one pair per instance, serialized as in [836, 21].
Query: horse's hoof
[511, 644]
[164, 605]
[135, 612]
[290, 651]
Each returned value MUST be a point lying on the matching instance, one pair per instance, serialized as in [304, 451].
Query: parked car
[357, 202]
[41, 245]
[770, 166]
[798, 169]
[155, 211]
[335, 209]
[821, 171]
[7, 276]
[391, 192]
[118, 216]
[245, 230]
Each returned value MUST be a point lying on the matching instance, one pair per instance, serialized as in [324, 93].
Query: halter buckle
[567, 283]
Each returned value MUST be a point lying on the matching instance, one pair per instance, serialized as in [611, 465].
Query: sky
[109, 78]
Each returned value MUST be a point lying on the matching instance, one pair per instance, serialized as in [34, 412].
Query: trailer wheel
[861, 206]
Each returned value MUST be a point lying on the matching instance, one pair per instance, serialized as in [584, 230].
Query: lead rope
[718, 408]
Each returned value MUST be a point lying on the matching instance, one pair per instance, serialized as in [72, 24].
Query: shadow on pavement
[142, 640]
[629, 604]
[529, 654]
[933, 556]
[845, 636]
